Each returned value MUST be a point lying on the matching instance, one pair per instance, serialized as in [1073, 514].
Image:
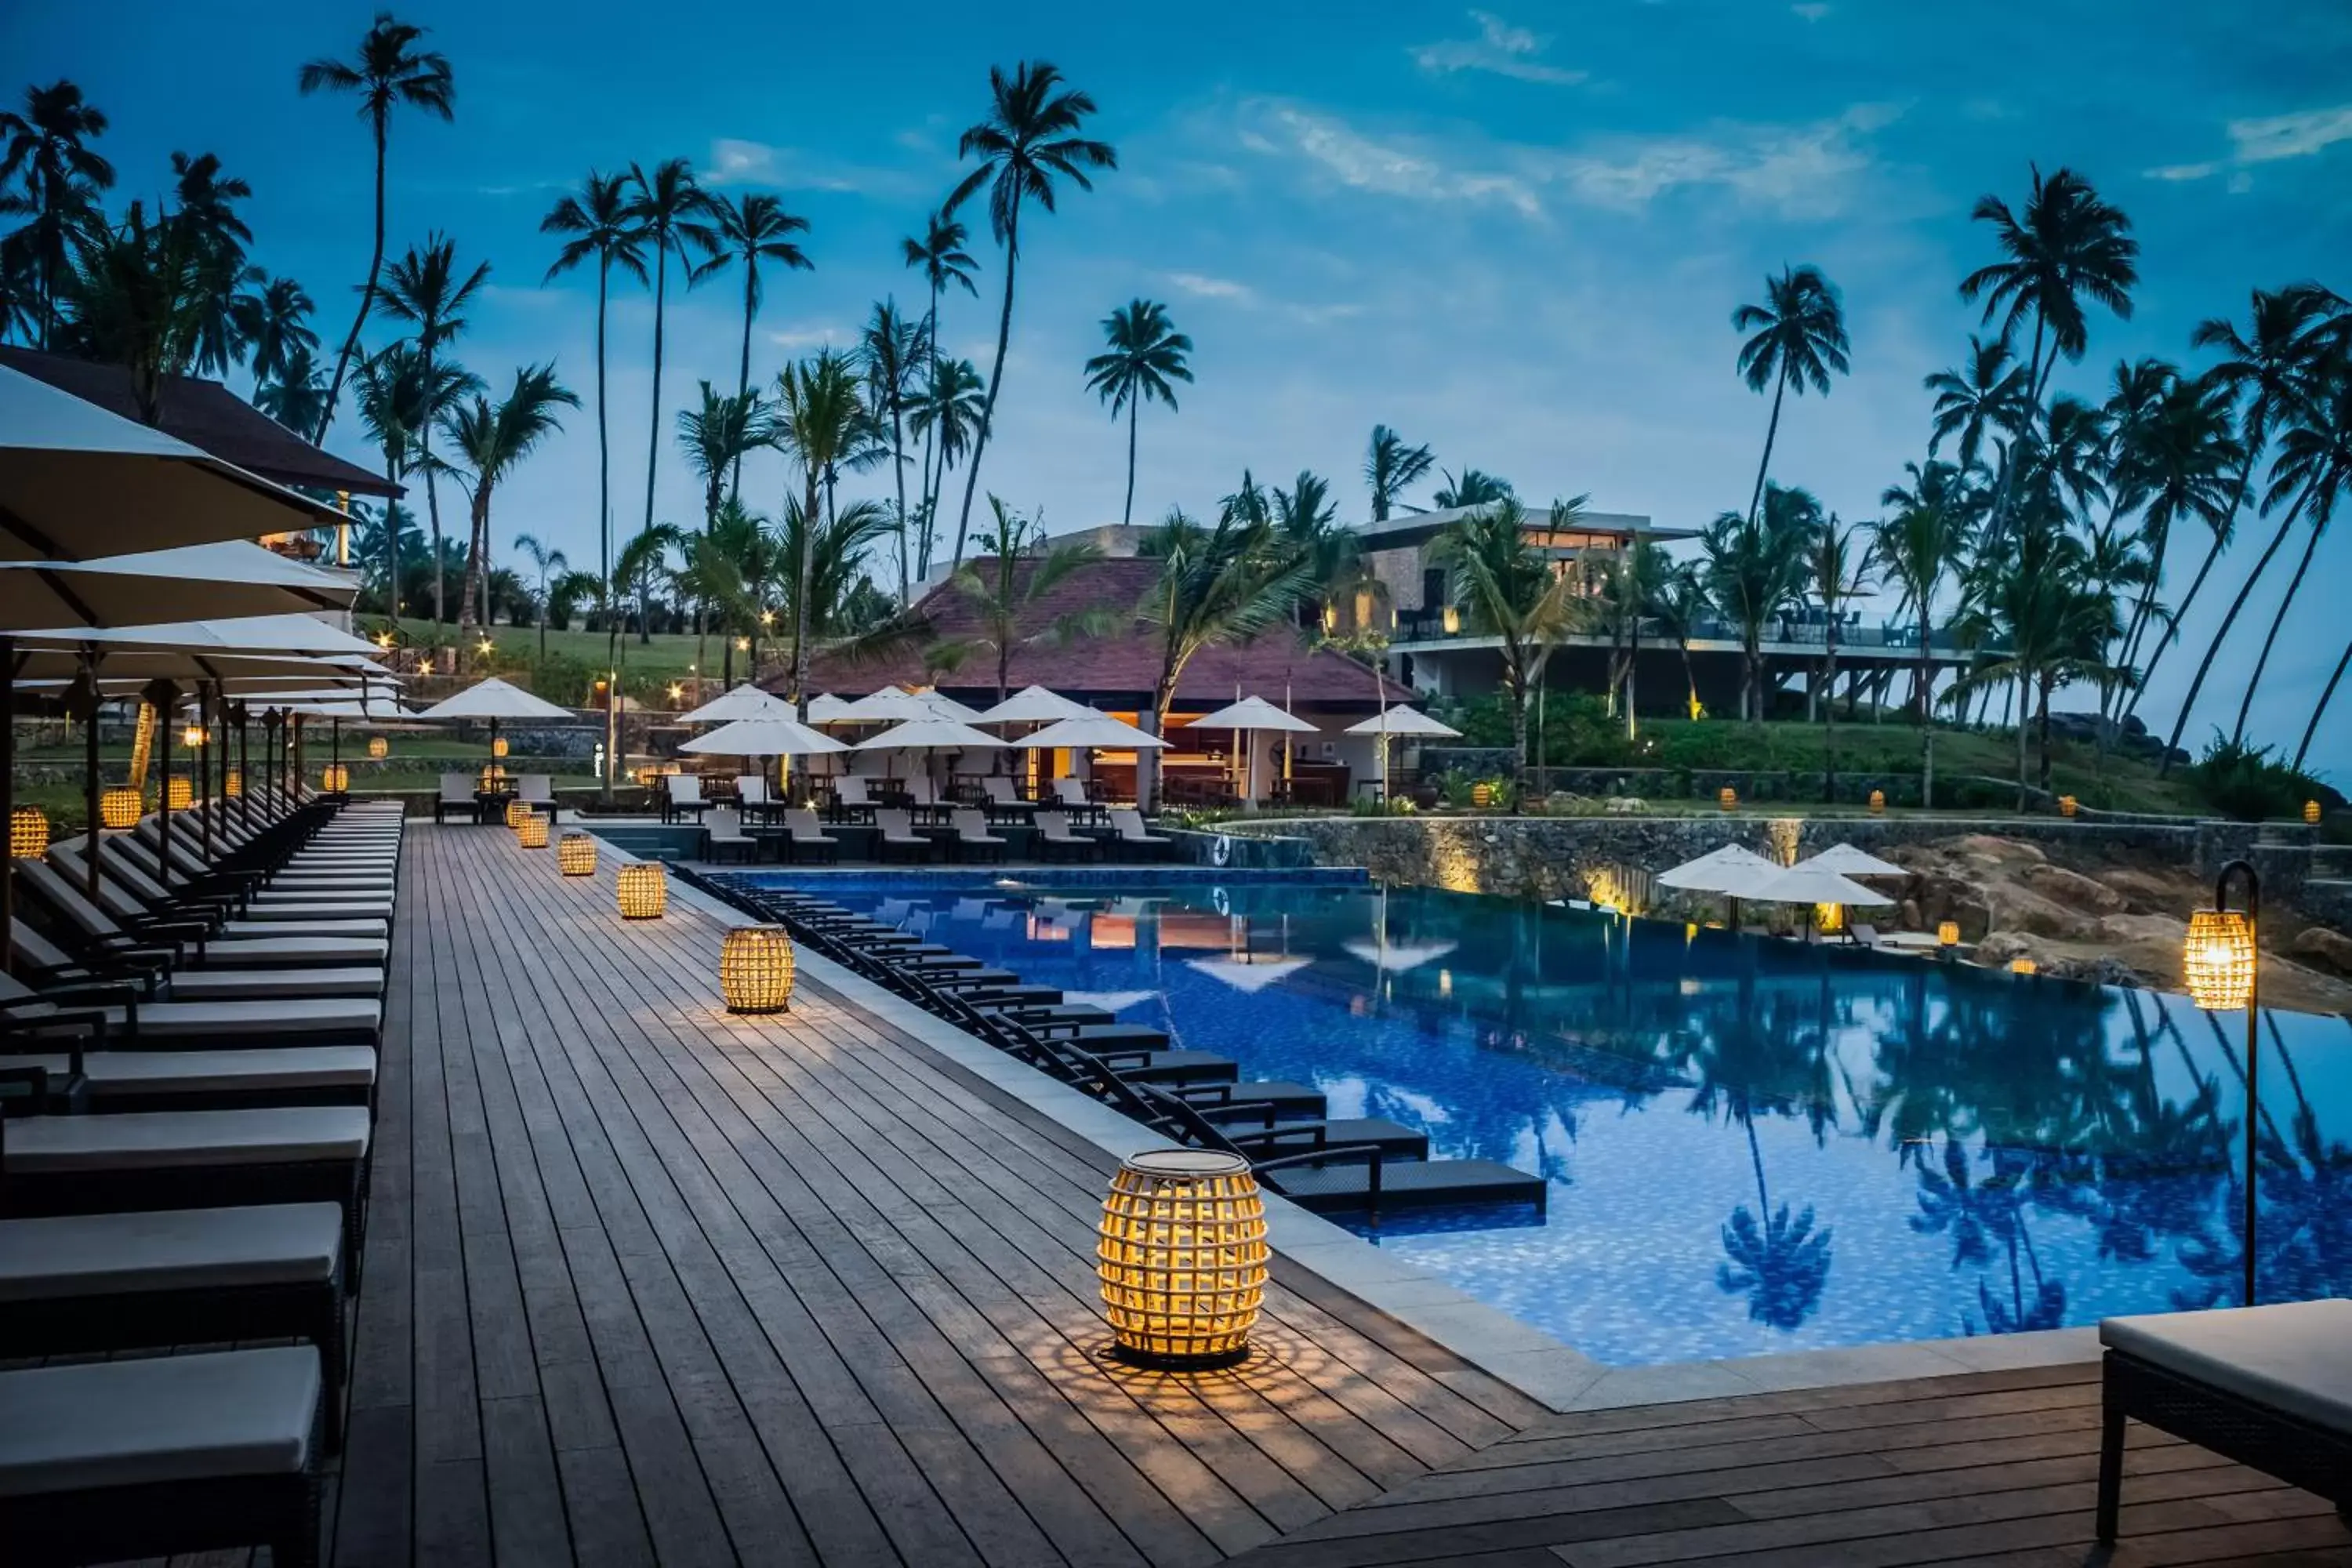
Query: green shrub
[2244, 782]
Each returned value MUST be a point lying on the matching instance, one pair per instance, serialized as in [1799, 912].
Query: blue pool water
[1751, 1146]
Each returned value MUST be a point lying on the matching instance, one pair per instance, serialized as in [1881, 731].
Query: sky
[1517, 235]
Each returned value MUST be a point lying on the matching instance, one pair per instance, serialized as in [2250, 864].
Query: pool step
[1340, 1189]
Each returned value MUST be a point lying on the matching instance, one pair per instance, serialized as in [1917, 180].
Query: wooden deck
[649, 1283]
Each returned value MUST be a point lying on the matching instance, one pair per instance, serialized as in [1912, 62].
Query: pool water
[1751, 1146]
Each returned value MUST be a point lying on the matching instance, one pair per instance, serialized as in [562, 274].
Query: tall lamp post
[2221, 965]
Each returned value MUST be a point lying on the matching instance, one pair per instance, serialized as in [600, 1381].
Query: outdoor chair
[286, 895]
[850, 797]
[132, 1021]
[536, 791]
[1129, 833]
[1003, 802]
[723, 836]
[160, 1456]
[129, 898]
[899, 836]
[245, 1078]
[44, 964]
[100, 937]
[804, 837]
[973, 841]
[1056, 840]
[752, 798]
[682, 793]
[2269, 1387]
[457, 794]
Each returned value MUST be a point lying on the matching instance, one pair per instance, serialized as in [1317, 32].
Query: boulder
[2072, 889]
[2331, 950]
[2104, 970]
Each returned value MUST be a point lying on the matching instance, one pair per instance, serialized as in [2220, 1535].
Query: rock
[2330, 950]
[1998, 947]
[2044, 918]
[2105, 970]
[2161, 930]
[2073, 889]
[1999, 850]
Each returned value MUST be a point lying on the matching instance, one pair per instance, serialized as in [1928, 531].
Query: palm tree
[947, 414]
[205, 209]
[2176, 464]
[293, 399]
[1217, 586]
[1988, 396]
[750, 230]
[389, 393]
[1146, 352]
[1800, 339]
[1919, 547]
[491, 441]
[1475, 488]
[273, 322]
[1754, 568]
[641, 569]
[1840, 572]
[546, 565]
[1628, 582]
[1510, 592]
[47, 148]
[667, 210]
[138, 297]
[1029, 139]
[819, 422]
[1023, 569]
[425, 289]
[890, 350]
[1679, 605]
[2314, 466]
[714, 437]
[1391, 467]
[2055, 623]
[388, 71]
[940, 256]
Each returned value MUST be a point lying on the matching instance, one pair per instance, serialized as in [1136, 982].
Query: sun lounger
[1003, 802]
[899, 836]
[99, 935]
[134, 1022]
[2270, 1387]
[288, 896]
[157, 1456]
[751, 797]
[253, 1078]
[850, 795]
[126, 903]
[1056, 839]
[1127, 832]
[804, 837]
[682, 793]
[973, 840]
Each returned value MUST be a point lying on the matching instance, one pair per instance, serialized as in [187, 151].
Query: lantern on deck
[1182, 1255]
[531, 832]
[1878, 803]
[28, 833]
[2311, 812]
[180, 793]
[755, 969]
[379, 748]
[2068, 805]
[1947, 934]
[2217, 960]
[233, 784]
[517, 811]
[575, 854]
[494, 777]
[1727, 798]
[644, 890]
[119, 807]
[497, 745]
[335, 778]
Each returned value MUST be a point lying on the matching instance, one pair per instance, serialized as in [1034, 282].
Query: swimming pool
[1751, 1146]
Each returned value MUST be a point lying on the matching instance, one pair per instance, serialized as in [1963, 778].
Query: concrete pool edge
[1547, 1370]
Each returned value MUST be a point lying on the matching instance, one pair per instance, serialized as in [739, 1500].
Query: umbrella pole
[244, 769]
[204, 764]
[90, 768]
[164, 804]
[9, 796]
[335, 742]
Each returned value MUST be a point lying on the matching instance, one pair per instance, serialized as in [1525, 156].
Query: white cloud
[1206, 288]
[1388, 169]
[808, 335]
[1812, 11]
[2267, 141]
[736, 162]
[1499, 47]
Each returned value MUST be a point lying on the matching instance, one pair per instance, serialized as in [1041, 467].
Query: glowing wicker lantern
[2311, 812]
[531, 832]
[497, 745]
[1947, 934]
[575, 854]
[1727, 798]
[2218, 960]
[1878, 803]
[2068, 805]
[180, 793]
[193, 737]
[1182, 1255]
[518, 812]
[2023, 966]
[644, 890]
[334, 778]
[379, 748]
[1453, 619]
[494, 777]
[119, 806]
[1482, 795]
[755, 969]
[28, 833]
[233, 784]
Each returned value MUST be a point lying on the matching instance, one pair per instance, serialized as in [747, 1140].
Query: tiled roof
[1123, 665]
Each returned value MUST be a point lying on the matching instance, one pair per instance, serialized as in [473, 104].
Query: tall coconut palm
[389, 394]
[490, 441]
[1508, 591]
[1145, 353]
[751, 230]
[2053, 623]
[204, 207]
[1800, 338]
[138, 297]
[546, 565]
[1475, 488]
[946, 415]
[2178, 464]
[641, 570]
[388, 71]
[1680, 605]
[940, 256]
[1988, 397]
[1754, 569]
[47, 149]
[273, 321]
[1029, 140]
[1840, 568]
[2315, 467]
[293, 399]
[425, 290]
[1920, 546]
[667, 207]
[714, 439]
[820, 421]
[891, 351]
[1391, 468]
[1012, 576]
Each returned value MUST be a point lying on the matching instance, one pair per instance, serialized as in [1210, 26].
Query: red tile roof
[1122, 665]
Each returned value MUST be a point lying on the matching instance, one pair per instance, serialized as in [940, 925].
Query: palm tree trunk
[2294, 586]
[391, 549]
[2041, 724]
[2205, 667]
[653, 434]
[898, 473]
[367, 303]
[432, 490]
[1829, 712]
[1927, 729]
[2172, 630]
[2320, 707]
[996, 379]
[1519, 691]
[2020, 763]
[1690, 678]
[1127, 512]
[800, 599]
[473, 583]
[744, 368]
[1755, 496]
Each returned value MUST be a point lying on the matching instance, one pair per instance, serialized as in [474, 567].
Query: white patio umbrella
[77, 482]
[1848, 861]
[932, 733]
[1250, 715]
[1806, 885]
[1401, 723]
[824, 708]
[493, 699]
[230, 578]
[1097, 732]
[743, 701]
[769, 735]
[1035, 705]
[304, 635]
[891, 705]
[1731, 869]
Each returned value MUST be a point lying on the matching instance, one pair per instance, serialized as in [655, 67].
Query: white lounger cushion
[271, 951]
[204, 1072]
[176, 1249]
[274, 984]
[277, 913]
[322, 925]
[40, 1145]
[157, 1418]
[298, 1015]
[2294, 1357]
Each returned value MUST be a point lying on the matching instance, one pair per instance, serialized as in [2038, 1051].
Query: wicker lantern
[334, 778]
[2068, 805]
[531, 832]
[2218, 960]
[1947, 934]
[233, 784]
[28, 833]
[1482, 796]
[518, 812]
[755, 969]
[1727, 798]
[379, 748]
[644, 890]
[1453, 619]
[494, 777]
[119, 806]
[2023, 966]
[180, 793]
[497, 745]
[2311, 812]
[1182, 1255]
[575, 854]
[1878, 803]
[193, 737]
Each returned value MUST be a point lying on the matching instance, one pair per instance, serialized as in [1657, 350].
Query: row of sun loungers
[967, 837]
[187, 1090]
[1194, 1098]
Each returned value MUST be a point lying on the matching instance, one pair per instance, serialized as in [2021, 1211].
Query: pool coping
[1545, 1369]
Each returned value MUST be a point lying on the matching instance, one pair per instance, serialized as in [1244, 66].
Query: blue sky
[1516, 233]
